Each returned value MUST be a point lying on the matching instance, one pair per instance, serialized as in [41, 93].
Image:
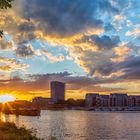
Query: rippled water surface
[82, 125]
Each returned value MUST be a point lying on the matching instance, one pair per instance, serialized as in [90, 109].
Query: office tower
[57, 91]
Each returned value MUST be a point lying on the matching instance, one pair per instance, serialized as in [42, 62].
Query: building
[96, 100]
[112, 100]
[118, 99]
[41, 102]
[133, 101]
[91, 99]
[104, 100]
[57, 91]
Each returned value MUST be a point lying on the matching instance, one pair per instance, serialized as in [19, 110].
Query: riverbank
[9, 131]
[108, 109]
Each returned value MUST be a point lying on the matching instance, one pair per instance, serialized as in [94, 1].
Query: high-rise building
[57, 91]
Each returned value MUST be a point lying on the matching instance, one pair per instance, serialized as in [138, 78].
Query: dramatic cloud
[131, 68]
[5, 45]
[103, 42]
[53, 58]
[41, 84]
[65, 18]
[25, 51]
[9, 65]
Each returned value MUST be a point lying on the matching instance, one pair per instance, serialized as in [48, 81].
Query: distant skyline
[92, 46]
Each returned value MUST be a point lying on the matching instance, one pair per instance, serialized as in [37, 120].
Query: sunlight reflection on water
[81, 125]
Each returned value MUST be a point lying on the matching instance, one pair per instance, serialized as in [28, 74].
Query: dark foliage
[4, 4]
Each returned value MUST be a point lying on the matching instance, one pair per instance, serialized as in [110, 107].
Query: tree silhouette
[5, 4]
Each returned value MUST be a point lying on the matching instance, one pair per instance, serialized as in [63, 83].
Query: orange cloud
[121, 53]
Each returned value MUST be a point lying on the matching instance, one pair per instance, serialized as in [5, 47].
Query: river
[81, 125]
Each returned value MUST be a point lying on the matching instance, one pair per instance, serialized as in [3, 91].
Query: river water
[81, 125]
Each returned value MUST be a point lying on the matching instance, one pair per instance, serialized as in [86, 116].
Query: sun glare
[6, 98]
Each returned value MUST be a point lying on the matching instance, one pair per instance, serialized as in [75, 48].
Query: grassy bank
[9, 131]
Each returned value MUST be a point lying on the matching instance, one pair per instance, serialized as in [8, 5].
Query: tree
[5, 4]
[1, 33]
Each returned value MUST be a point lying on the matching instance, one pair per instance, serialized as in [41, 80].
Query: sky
[92, 46]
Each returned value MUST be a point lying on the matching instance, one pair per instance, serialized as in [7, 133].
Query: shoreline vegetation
[9, 131]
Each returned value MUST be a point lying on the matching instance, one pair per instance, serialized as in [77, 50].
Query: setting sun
[6, 98]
